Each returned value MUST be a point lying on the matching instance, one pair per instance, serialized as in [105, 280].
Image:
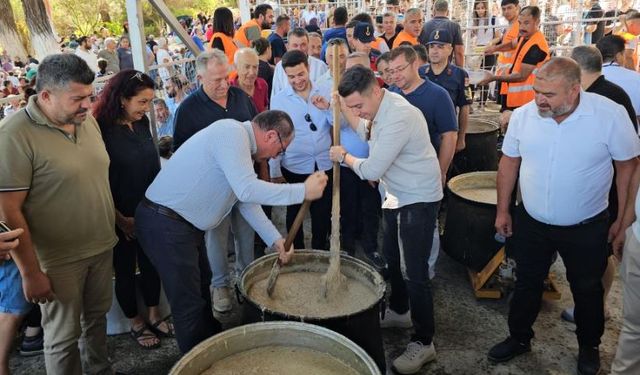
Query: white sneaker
[394, 320]
[222, 299]
[414, 357]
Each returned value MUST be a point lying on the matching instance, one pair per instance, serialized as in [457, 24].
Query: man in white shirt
[612, 49]
[297, 39]
[561, 145]
[402, 158]
[163, 57]
[84, 52]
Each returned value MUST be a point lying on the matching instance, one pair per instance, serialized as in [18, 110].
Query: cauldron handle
[383, 308]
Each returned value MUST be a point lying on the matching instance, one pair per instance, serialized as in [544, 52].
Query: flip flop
[140, 334]
[154, 328]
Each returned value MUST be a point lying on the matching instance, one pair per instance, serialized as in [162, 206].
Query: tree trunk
[9, 36]
[43, 35]
[104, 11]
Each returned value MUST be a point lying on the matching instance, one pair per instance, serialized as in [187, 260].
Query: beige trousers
[75, 323]
[627, 361]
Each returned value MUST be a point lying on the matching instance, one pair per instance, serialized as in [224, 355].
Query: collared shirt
[280, 81]
[166, 128]
[198, 111]
[453, 79]
[436, 106]
[134, 163]
[260, 95]
[628, 79]
[309, 148]
[69, 207]
[212, 172]
[400, 154]
[566, 168]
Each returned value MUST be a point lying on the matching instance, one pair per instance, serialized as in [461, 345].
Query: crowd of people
[91, 192]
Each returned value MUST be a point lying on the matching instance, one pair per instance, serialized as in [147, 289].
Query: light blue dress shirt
[213, 171]
[166, 128]
[628, 79]
[309, 148]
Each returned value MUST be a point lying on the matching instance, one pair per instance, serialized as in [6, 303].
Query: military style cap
[364, 32]
[440, 36]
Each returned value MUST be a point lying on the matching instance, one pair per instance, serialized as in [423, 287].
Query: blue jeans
[217, 240]
[176, 250]
[11, 296]
[408, 234]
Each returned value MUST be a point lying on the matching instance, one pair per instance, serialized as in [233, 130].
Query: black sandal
[154, 328]
[140, 334]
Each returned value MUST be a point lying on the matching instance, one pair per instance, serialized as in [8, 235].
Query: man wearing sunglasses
[308, 106]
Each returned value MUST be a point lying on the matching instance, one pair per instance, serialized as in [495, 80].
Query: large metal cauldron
[469, 232]
[363, 326]
[480, 153]
[252, 336]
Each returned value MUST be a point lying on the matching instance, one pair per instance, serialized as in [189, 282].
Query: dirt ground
[465, 330]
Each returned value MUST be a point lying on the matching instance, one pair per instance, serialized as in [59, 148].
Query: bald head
[358, 58]
[560, 67]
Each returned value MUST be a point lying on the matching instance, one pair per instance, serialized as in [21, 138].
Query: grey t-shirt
[439, 23]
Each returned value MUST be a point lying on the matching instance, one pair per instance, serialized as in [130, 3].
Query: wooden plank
[478, 279]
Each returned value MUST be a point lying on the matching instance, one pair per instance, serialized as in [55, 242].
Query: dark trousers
[126, 255]
[408, 234]
[34, 317]
[359, 212]
[583, 249]
[320, 214]
[176, 249]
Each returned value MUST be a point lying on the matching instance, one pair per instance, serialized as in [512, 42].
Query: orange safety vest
[521, 93]
[230, 47]
[505, 59]
[376, 43]
[241, 34]
[628, 39]
[404, 37]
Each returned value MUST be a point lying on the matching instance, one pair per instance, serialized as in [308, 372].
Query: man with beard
[532, 52]
[54, 183]
[251, 30]
[562, 147]
[84, 52]
[175, 93]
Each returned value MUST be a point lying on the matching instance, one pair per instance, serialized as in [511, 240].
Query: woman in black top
[121, 114]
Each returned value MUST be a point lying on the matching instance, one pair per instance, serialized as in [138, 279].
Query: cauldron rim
[270, 258]
[467, 175]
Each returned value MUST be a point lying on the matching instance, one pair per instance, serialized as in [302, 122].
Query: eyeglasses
[312, 126]
[398, 70]
[282, 149]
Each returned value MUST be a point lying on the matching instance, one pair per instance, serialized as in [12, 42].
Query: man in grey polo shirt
[194, 192]
[402, 158]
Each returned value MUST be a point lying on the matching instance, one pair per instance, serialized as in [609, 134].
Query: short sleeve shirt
[68, 208]
[437, 23]
[452, 79]
[278, 49]
[566, 169]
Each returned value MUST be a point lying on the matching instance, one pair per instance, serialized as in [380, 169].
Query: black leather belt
[162, 210]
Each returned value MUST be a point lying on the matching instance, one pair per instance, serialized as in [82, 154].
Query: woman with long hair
[223, 32]
[121, 114]
[485, 35]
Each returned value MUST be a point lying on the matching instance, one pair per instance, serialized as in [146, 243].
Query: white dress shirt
[90, 58]
[628, 79]
[316, 68]
[309, 148]
[400, 154]
[566, 168]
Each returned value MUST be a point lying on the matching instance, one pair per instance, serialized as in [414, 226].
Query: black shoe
[376, 260]
[32, 346]
[507, 350]
[588, 361]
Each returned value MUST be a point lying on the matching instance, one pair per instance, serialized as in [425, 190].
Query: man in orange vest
[251, 30]
[531, 52]
[508, 44]
[412, 28]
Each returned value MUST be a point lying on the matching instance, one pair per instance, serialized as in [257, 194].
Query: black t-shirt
[610, 90]
[217, 43]
[265, 71]
[534, 56]
[596, 12]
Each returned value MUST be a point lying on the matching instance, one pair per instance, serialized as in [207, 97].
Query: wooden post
[335, 204]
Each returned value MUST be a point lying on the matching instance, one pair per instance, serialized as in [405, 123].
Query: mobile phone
[4, 227]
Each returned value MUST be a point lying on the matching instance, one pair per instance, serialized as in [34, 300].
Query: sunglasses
[312, 126]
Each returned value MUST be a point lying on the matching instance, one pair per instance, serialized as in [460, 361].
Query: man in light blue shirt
[612, 48]
[308, 106]
[164, 118]
[210, 174]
